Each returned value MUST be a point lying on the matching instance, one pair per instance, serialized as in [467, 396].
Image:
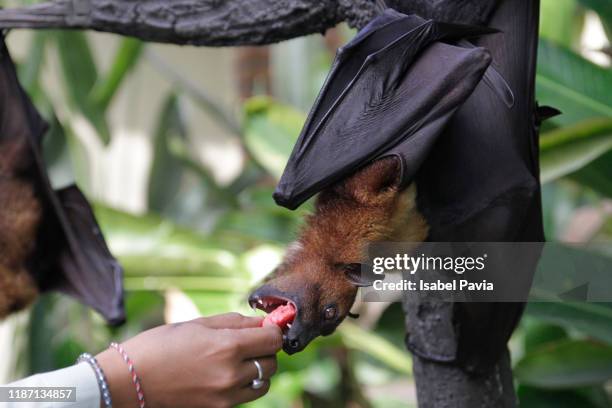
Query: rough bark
[442, 385]
[441, 380]
[227, 22]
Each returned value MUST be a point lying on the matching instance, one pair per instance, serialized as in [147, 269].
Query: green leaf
[593, 319]
[566, 364]
[579, 88]
[561, 21]
[604, 9]
[271, 130]
[80, 75]
[359, 339]
[258, 225]
[180, 187]
[597, 175]
[56, 150]
[158, 254]
[207, 102]
[539, 334]
[29, 70]
[566, 150]
[166, 171]
[66, 353]
[40, 331]
[530, 397]
[126, 58]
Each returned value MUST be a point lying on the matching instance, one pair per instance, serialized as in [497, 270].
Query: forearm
[79, 376]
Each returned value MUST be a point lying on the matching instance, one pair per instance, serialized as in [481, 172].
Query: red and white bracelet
[135, 378]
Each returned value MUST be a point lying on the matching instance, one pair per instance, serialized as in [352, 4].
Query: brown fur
[20, 214]
[367, 207]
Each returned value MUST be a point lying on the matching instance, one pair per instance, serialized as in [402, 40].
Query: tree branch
[227, 22]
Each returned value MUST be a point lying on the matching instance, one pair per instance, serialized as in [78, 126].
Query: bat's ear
[358, 276]
[374, 184]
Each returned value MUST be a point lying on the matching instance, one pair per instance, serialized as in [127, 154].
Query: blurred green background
[180, 149]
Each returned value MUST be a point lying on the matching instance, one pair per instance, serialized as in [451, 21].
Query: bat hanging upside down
[320, 273]
[389, 94]
[49, 239]
[410, 104]
[19, 221]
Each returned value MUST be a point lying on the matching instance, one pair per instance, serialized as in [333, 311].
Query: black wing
[67, 251]
[394, 82]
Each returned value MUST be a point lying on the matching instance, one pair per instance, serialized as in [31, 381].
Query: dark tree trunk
[449, 386]
[460, 350]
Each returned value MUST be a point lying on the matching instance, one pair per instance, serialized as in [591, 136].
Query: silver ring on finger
[258, 382]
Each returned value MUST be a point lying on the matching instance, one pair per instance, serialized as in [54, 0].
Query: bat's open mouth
[280, 311]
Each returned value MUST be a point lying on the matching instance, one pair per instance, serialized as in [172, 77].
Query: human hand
[206, 362]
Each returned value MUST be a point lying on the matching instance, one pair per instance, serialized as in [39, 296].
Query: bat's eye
[329, 313]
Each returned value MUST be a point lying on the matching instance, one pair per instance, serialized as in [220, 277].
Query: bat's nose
[292, 344]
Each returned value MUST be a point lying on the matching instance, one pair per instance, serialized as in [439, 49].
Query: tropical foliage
[211, 242]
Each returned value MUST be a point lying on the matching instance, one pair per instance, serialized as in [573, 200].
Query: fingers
[249, 370]
[247, 393]
[230, 321]
[260, 341]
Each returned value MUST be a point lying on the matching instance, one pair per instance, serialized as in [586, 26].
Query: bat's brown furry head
[321, 269]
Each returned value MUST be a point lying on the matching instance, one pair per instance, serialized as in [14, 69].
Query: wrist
[118, 379]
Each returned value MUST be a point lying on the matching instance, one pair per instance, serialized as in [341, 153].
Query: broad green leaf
[125, 60]
[605, 234]
[530, 397]
[592, 319]
[158, 254]
[61, 165]
[357, 338]
[579, 88]
[604, 9]
[538, 334]
[180, 187]
[166, 171]
[597, 175]
[217, 302]
[79, 159]
[561, 21]
[197, 94]
[256, 225]
[40, 330]
[566, 364]
[566, 150]
[29, 70]
[66, 353]
[271, 130]
[80, 75]
[286, 390]
[142, 305]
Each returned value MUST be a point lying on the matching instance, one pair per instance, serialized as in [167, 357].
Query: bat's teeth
[260, 302]
[288, 325]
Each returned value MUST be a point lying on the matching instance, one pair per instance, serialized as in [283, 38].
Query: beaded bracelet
[135, 378]
[102, 384]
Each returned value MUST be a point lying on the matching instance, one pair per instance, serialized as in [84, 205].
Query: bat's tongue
[282, 316]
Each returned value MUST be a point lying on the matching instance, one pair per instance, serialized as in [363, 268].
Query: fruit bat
[49, 240]
[389, 96]
[413, 146]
